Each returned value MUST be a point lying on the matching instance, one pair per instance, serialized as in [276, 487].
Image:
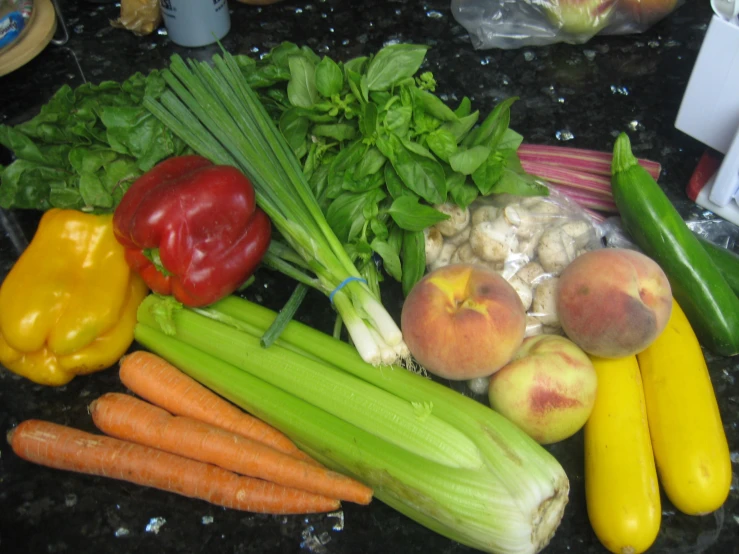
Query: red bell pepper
[192, 229]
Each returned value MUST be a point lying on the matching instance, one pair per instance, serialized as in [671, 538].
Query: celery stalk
[319, 392]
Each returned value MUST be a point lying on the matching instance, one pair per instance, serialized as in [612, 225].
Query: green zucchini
[658, 229]
[726, 260]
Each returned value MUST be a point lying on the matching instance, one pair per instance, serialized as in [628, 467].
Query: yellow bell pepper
[68, 305]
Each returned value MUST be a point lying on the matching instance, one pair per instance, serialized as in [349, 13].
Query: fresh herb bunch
[380, 149]
[85, 147]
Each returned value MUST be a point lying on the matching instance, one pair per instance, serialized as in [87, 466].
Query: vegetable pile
[188, 180]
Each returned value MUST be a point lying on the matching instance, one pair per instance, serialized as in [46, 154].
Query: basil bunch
[380, 149]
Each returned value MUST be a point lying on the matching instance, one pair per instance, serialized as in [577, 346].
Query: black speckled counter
[585, 94]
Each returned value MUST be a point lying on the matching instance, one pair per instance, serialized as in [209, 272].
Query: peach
[580, 17]
[613, 302]
[463, 321]
[547, 389]
[646, 12]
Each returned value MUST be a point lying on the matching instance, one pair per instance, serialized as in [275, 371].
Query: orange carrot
[128, 418]
[61, 447]
[156, 380]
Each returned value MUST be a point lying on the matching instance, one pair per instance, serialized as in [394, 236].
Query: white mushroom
[544, 305]
[493, 240]
[484, 213]
[444, 257]
[464, 255]
[580, 231]
[524, 292]
[433, 242]
[530, 272]
[556, 250]
[458, 219]
[461, 237]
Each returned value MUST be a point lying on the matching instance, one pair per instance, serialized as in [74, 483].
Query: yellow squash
[68, 305]
[688, 439]
[621, 487]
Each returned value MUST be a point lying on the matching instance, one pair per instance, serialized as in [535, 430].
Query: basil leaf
[346, 214]
[433, 105]
[394, 63]
[510, 140]
[369, 182]
[409, 214]
[495, 125]
[398, 119]
[464, 108]
[345, 161]
[355, 65]
[370, 164]
[442, 143]
[413, 255]
[461, 126]
[467, 161]
[294, 127]
[488, 174]
[421, 174]
[301, 89]
[379, 229]
[461, 191]
[368, 119]
[394, 184]
[390, 258]
[520, 184]
[336, 131]
[329, 77]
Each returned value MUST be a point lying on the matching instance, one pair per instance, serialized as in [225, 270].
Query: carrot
[62, 447]
[128, 418]
[156, 380]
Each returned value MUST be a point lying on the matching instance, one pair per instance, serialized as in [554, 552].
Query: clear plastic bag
[510, 24]
[527, 240]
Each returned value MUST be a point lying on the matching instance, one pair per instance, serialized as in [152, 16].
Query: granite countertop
[582, 96]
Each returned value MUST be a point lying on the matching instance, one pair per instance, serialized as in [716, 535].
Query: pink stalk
[599, 185]
[586, 199]
[580, 159]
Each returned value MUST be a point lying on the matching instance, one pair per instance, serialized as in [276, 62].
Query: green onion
[444, 460]
[218, 115]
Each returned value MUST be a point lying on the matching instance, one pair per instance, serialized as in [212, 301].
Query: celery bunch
[440, 458]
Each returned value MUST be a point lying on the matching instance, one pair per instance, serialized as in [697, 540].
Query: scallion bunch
[218, 115]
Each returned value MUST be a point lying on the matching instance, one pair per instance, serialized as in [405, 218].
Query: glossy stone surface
[582, 96]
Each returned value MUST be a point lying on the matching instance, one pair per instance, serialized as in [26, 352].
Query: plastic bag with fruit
[516, 23]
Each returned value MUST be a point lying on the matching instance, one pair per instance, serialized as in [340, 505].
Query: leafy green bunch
[381, 150]
[85, 147]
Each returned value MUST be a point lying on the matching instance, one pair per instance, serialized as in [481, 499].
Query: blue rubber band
[344, 283]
